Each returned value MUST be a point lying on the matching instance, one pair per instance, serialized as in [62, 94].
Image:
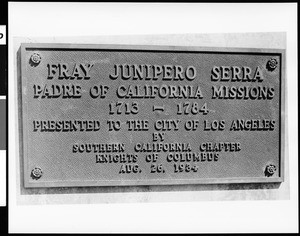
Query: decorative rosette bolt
[272, 64]
[36, 173]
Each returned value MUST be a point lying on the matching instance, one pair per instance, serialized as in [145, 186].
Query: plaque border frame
[147, 48]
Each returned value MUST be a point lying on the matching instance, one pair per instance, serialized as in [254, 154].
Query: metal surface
[109, 115]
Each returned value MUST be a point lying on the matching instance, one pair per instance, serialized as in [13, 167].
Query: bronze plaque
[110, 115]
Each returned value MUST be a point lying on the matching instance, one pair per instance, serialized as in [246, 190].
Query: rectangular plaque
[111, 115]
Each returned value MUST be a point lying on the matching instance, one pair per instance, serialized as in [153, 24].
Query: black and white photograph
[151, 118]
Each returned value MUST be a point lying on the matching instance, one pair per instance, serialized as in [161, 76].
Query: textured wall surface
[160, 193]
